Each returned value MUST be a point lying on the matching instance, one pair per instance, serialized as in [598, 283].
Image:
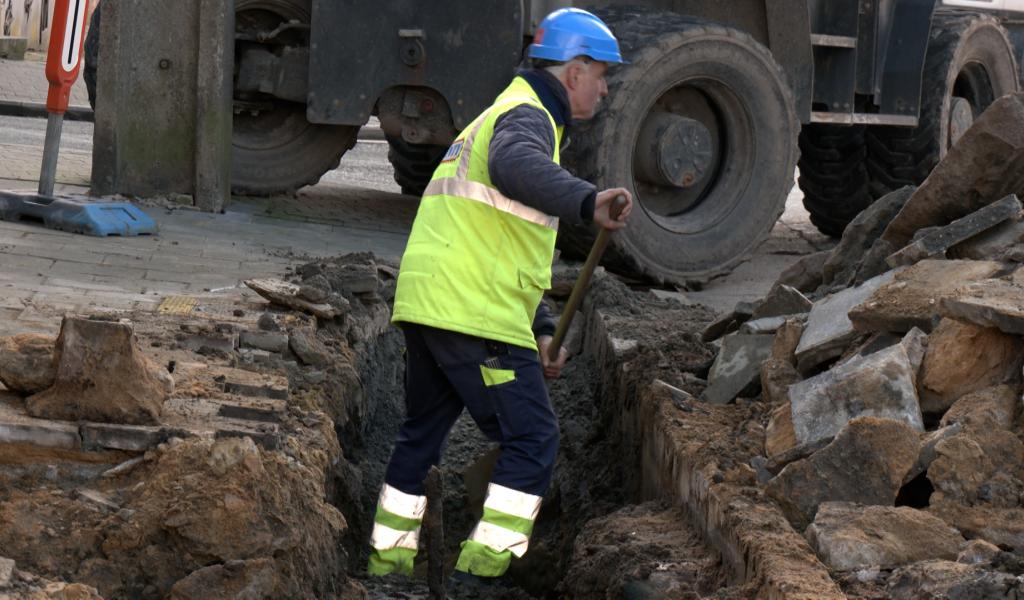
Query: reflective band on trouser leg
[396, 532]
[503, 531]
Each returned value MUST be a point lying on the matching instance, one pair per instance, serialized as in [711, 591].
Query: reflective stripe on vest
[478, 262]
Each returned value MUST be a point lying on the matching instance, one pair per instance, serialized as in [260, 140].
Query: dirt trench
[277, 501]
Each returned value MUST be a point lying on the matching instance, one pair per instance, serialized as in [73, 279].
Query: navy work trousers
[443, 376]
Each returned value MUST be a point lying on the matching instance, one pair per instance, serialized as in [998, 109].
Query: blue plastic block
[77, 214]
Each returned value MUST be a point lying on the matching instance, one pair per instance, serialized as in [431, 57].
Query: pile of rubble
[892, 369]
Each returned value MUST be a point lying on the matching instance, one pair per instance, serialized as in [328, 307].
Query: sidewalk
[23, 84]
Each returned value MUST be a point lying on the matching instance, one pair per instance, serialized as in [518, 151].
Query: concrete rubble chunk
[912, 298]
[850, 536]
[737, 368]
[354, 278]
[26, 362]
[865, 463]
[878, 385]
[840, 269]
[253, 579]
[963, 358]
[978, 466]
[937, 242]
[309, 349]
[782, 300]
[977, 552]
[787, 338]
[981, 168]
[779, 435]
[873, 264]
[950, 580]
[805, 273]
[926, 456]
[765, 325]
[271, 341]
[1003, 527]
[1002, 242]
[775, 464]
[992, 303]
[287, 294]
[727, 322]
[987, 409]
[829, 331]
[102, 376]
[6, 572]
[776, 377]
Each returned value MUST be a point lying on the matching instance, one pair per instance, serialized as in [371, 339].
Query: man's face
[586, 86]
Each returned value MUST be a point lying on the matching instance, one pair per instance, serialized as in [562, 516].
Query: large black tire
[414, 164]
[278, 150]
[833, 175]
[730, 84]
[970, 63]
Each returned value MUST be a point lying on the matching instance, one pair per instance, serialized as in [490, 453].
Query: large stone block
[849, 536]
[843, 263]
[829, 330]
[26, 362]
[779, 436]
[950, 580]
[912, 298]
[1003, 242]
[992, 303]
[935, 242]
[102, 376]
[882, 385]
[866, 463]
[962, 358]
[987, 409]
[782, 300]
[983, 166]
[1003, 527]
[737, 366]
[978, 466]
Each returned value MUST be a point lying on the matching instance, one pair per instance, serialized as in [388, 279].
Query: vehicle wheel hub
[674, 151]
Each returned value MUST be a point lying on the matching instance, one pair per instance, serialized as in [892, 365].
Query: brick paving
[25, 81]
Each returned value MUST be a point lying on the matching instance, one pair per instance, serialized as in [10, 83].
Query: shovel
[478, 475]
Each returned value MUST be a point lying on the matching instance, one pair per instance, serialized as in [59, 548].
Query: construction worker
[469, 297]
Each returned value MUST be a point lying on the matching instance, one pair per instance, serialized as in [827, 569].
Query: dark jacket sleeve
[521, 168]
[543, 321]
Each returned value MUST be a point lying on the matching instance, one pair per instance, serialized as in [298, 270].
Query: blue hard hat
[571, 32]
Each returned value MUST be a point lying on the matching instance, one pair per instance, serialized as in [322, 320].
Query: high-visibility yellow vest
[478, 262]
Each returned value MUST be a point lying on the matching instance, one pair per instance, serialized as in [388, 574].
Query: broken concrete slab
[309, 349]
[840, 269]
[765, 325]
[287, 294]
[878, 385]
[775, 464]
[805, 273]
[776, 377]
[249, 383]
[270, 341]
[849, 536]
[781, 300]
[992, 303]
[354, 278]
[829, 331]
[727, 322]
[873, 263]
[962, 358]
[950, 580]
[982, 167]
[737, 367]
[927, 454]
[865, 463]
[991, 408]
[978, 466]
[102, 376]
[912, 298]
[129, 438]
[787, 338]
[1002, 242]
[1003, 527]
[26, 362]
[935, 243]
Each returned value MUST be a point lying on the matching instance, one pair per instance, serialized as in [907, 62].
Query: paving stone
[271, 341]
[987, 409]
[936, 242]
[992, 303]
[849, 536]
[782, 300]
[225, 342]
[978, 170]
[271, 411]
[829, 331]
[912, 298]
[737, 367]
[865, 463]
[845, 259]
[950, 580]
[879, 385]
[962, 358]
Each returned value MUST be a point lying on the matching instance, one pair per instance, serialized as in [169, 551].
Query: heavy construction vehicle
[705, 124]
